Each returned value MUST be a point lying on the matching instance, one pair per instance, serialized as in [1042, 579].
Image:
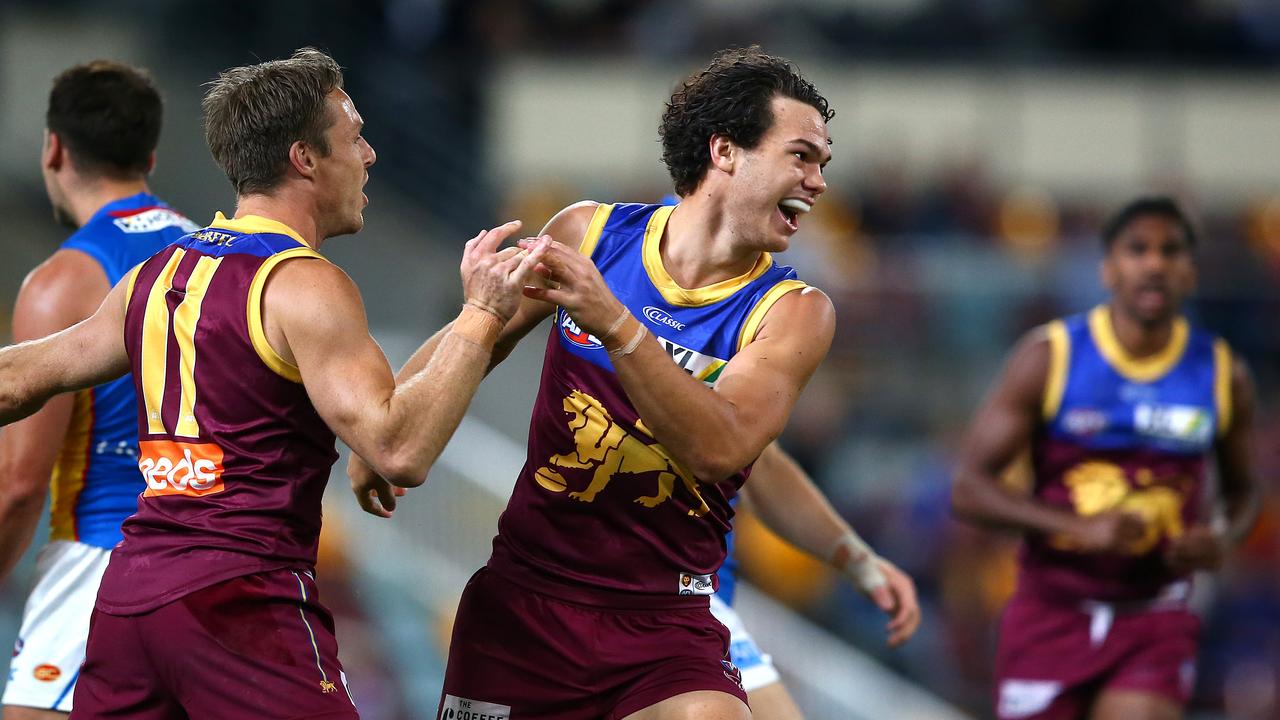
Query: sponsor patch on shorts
[691, 584]
[456, 708]
[47, 672]
[1023, 698]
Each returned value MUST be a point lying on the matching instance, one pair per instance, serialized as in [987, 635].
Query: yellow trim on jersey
[1059, 363]
[1222, 367]
[762, 307]
[155, 343]
[667, 286]
[255, 224]
[257, 335]
[1144, 370]
[67, 480]
[592, 237]
[130, 279]
[185, 318]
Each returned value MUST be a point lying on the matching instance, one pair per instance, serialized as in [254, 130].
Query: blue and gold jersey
[1128, 434]
[600, 503]
[95, 483]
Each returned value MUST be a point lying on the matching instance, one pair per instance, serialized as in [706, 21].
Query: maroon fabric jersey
[234, 455]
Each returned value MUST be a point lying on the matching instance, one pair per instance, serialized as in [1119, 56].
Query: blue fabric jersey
[95, 481]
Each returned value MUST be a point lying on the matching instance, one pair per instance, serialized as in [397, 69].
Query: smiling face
[774, 184]
[1149, 269]
[340, 176]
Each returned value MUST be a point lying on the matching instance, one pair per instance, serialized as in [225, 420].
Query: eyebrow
[826, 157]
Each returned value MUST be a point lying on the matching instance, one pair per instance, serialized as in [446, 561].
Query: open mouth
[791, 209]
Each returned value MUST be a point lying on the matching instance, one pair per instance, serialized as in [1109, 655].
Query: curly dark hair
[730, 97]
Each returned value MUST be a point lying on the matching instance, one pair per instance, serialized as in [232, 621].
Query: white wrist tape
[858, 561]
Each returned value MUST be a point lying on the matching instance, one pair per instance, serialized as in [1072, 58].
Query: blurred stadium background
[978, 145]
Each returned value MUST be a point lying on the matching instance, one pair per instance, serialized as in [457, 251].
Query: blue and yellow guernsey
[95, 483]
[1129, 434]
[600, 505]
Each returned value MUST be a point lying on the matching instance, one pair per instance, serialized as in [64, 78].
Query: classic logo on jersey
[1098, 486]
[691, 584]
[154, 219]
[47, 673]
[605, 448]
[574, 334]
[173, 468]
[1084, 421]
[662, 317]
[1186, 424]
[456, 708]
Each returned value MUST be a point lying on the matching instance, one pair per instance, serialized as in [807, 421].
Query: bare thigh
[773, 702]
[15, 712]
[697, 705]
[1134, 705]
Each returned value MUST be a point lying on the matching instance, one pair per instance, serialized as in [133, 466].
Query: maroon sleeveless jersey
[234, 455]
[601, 509]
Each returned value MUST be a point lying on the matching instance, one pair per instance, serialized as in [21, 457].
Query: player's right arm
[315, 318]
[61, 292]
[1001, 429]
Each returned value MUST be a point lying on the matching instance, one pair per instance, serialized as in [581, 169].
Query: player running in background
[1123, 407]
[101, 128]
[249, 351]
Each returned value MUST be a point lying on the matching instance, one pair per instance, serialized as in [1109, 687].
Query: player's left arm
[786, 500]
[1201, 547]
[712, 433]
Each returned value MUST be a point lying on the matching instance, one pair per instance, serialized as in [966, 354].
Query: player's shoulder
[799, 309]
[61, 291]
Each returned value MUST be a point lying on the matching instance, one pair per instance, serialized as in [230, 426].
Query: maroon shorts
[259, 646]
[521, 654]
[1053, 659]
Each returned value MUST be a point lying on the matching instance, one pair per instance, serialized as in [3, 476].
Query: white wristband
[858, 561]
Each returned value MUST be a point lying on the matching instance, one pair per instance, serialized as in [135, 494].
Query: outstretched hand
[897, 598]
[491, 278]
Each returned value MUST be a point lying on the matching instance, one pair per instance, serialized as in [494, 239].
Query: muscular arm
[711, 432]
[56, 295]
[1001, 428]
[1241, 491]
[785, 499]
[315, 318]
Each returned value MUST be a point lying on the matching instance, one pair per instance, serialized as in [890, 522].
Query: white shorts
[55, 624]
[756, 667]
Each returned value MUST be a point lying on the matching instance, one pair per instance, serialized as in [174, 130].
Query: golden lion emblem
[603, 446]
[1098, 486]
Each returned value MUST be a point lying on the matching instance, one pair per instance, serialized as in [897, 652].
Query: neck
[89, 196]
[283, 208]
[1140, 339]
[701, 247]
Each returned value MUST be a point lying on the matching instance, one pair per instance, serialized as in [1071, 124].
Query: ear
[151, 162]
[302, 157]
[1107, 274]
[724, 153]
[53, 155]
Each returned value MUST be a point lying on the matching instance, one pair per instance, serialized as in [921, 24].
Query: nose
[370, 157]
[813, 180]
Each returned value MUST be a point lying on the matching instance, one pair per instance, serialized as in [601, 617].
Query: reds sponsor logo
[576, 335]
[47, 672]
[173, 468]
[662, 317]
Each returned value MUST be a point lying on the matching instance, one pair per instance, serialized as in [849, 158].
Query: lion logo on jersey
[1098, 486]
[607, 449]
